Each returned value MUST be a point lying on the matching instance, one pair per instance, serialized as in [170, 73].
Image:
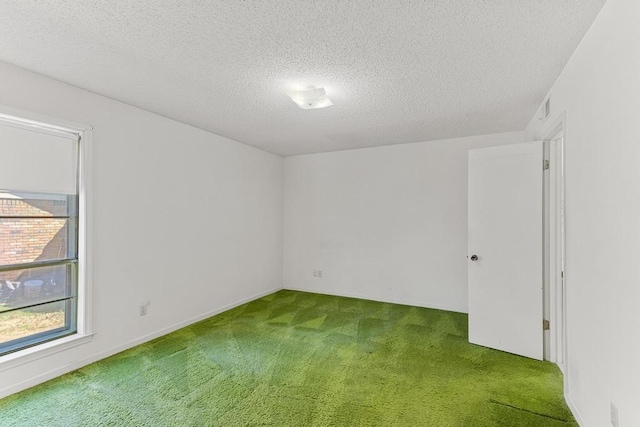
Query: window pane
[20, 324]
[22, 288]
[23, 204]
[25, 240]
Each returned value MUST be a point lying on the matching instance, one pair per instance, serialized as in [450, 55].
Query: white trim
[85, 233]
[31, 354]
[40, 127]
[29, 120]
[548, 253]
[369, 298]
[557, 130]
[56, 372]
[574, 409]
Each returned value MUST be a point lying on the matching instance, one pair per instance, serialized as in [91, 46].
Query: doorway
[554, 248]
[512, 309]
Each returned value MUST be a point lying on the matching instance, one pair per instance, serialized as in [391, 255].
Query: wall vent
[546, 109]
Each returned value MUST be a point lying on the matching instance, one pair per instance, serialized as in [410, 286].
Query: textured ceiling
[397, 71]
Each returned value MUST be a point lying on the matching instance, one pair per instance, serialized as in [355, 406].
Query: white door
[505, 248]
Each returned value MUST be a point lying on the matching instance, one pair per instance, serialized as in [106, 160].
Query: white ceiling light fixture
[310, 98]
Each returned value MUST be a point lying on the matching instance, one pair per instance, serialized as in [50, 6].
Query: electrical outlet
[614, 415]
[319, 274]
[315, 273]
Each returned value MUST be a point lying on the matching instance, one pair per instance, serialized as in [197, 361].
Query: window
[39, 233]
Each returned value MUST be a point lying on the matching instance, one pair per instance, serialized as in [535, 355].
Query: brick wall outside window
[27, 240]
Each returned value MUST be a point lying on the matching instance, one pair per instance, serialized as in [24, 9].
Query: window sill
[34, 353]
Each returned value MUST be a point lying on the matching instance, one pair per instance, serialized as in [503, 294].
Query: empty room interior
[323, 213]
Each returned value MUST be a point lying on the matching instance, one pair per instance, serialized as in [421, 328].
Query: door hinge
[546, 165]
[545, 325]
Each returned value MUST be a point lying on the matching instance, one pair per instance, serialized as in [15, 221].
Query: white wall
[386, 223]
[186, 219]
[600, 92]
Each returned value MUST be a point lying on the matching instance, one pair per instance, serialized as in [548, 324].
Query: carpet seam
[528, 411]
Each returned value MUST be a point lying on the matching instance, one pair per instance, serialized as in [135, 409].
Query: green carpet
[303, 359]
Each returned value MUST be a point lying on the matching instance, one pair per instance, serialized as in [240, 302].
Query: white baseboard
[14, 388]
[370, 298]
[574, 409]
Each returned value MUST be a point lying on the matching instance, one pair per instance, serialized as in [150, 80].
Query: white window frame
[84, 334]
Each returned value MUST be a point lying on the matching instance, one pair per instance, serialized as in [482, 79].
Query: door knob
[474, 257]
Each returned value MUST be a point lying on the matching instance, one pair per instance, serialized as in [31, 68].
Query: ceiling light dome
[310, 98]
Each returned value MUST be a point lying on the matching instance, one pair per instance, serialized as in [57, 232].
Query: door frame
[556, 235]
